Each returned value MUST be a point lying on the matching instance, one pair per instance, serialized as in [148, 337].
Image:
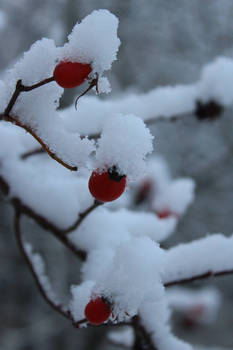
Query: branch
[14, 120]
[56, 306]
[41, 221]
[20, 88]
[32, 153]
[142, 337]
[199, 277]
[82, 216]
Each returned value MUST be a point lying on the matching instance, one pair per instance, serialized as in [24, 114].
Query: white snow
[39, 268]
[94, 41]
[186, 300]
[125, 141]
[210, 254]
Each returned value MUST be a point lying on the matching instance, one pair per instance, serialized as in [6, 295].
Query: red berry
[107, 186]
[166, 213]
[71, 74]
[97, 311]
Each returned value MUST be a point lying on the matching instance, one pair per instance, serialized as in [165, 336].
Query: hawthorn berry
[97, 311]
[71, 74]
[107, 186]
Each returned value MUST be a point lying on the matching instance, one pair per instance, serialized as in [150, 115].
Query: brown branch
[57, 307]
[15, 121]
[41, 221]
[20, 88]
[82, 216]
[199, 277]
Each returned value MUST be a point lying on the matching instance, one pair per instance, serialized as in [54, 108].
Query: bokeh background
[163, 43]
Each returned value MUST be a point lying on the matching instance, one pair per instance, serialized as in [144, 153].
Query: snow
[124, 261]
[176, 197]
[39, 268]
[161, 102]
[125, 141]
[123, 337]
[52, 192]
[216, 81]
[207, 300]
[209, 254]
[155, 317]
[94, 41]
[81, 296]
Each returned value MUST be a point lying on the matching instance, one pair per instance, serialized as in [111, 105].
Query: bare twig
[20, 88]
[41, 221]
[14, 120]
[199, 277]
[57, 307]
[32, 153]
[82, 216]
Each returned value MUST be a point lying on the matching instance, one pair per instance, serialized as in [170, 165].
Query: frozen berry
[71, 74]
[97, 311]
[107, 186]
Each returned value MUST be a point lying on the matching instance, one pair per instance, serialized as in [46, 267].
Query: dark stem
[93, 83]
[58, 307]
[82, 216]
[20, 88]
[199, 277]
[15, 121]
[41, 221]
[32, 153]
[142, 337]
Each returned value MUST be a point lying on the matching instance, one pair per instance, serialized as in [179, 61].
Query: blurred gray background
[163, 42]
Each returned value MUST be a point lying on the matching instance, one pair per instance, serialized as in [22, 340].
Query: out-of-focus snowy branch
[203, 258]
[206, 99]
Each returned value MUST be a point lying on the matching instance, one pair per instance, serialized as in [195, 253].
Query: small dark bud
[208, 110]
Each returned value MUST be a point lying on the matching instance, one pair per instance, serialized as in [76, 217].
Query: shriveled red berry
[97, 311]
[166, 213]
[107, 186]
[71, 74]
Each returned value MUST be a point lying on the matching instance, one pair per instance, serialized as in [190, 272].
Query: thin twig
[15, 121]
[82, 216]
[199, 277]
[20, 88]
[32, 153]
[45, 224]
[57, 307]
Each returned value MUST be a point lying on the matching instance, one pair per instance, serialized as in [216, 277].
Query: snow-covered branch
[203, 258]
